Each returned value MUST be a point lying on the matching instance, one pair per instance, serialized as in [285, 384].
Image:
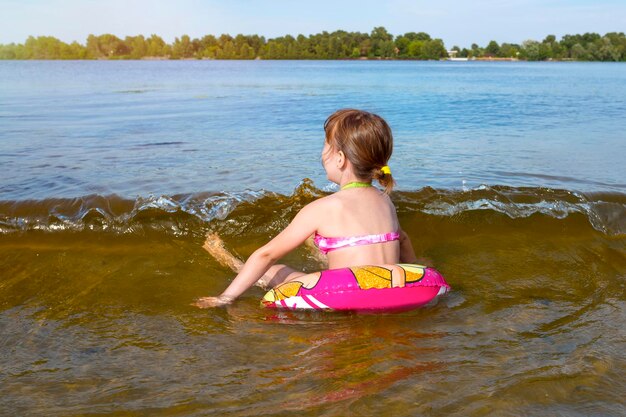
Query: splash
[267, 212]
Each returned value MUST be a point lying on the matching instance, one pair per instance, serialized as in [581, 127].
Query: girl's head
[366, 141]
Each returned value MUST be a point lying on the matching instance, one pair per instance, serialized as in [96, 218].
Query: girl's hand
[209, 302]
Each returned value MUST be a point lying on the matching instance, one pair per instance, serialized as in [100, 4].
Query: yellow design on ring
[386, 170]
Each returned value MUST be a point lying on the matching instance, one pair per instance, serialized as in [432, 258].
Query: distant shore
[479, 59]
[338, 45]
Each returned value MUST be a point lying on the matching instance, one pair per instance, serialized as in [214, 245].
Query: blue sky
[456, 22]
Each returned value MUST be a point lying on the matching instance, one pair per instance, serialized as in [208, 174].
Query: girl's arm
[407, 254]
[301, 227]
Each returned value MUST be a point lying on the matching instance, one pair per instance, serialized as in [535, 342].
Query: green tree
[228, 51]
[618, 40]
[606, 51]
[9, 51]
[365, 47]
[509, 50]
[382, 42]
[106, 46]
[530, 50]
[137, 45]
[402, 42]
[182, 48]
[433, 50]
[578, 52]
[476, 51]
[336, 45]
[45, 47]
[274, 50]
[415, 49]
[246, 52]
[156, 47]
[493, 49]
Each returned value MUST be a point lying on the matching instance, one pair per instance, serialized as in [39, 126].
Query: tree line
[379, 44]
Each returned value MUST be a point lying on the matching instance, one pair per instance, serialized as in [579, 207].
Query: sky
[457, 22]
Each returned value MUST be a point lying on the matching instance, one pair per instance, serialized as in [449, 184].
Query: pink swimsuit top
[327, 244]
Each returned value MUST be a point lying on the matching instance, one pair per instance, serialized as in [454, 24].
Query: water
[511, 182]
[137, 128]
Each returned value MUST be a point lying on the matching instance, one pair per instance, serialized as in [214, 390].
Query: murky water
[95, 312]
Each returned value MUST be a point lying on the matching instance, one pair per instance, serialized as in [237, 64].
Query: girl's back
[359, 212]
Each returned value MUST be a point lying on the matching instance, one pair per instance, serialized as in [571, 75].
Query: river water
[511, 182]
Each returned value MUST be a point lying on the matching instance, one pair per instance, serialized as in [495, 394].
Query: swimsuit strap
[327, 244]
[356, 184]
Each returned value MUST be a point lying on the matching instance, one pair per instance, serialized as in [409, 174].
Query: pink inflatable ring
[399, 287]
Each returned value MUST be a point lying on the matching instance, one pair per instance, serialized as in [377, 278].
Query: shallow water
[95, 312]
[511, 182]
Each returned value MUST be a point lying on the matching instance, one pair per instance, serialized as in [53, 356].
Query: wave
[266, 211]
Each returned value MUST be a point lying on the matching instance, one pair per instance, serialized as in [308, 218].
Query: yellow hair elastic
[386, 170]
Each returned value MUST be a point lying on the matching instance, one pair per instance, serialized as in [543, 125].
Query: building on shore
[452, 56]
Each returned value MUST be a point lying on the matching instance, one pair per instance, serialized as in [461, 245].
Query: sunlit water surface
[512, 185]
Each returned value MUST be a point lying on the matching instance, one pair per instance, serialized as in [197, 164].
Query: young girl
[357, 225]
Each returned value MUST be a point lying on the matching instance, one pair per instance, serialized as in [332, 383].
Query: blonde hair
[366, 141]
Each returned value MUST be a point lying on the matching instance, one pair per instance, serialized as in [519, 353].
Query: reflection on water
[98, 321]
[137, 128]
[513, 180]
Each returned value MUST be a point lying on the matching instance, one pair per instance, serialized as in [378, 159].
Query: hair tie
[386, 170]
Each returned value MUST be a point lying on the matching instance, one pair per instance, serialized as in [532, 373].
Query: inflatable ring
[399, 287]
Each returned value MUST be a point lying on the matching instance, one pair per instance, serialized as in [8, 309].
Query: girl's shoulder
[324, 203]
[323, 206]
[340, 200]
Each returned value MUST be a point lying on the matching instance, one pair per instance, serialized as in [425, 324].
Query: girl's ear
[341, 159]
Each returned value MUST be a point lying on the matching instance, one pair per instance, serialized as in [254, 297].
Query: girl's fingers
[208, 302]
